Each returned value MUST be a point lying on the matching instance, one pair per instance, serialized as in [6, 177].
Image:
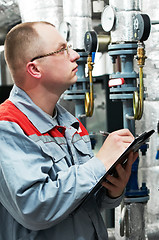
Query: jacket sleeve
[29, 189]
[104, 201]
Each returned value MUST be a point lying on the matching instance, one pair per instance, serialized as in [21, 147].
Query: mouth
[75, 69]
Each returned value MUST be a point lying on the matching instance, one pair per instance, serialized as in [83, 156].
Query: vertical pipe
[39, 10]
[123, 32]
[128, 110]
[78, 15]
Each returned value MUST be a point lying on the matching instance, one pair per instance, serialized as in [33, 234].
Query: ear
[33, 70]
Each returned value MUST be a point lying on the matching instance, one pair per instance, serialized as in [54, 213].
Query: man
[47, 167]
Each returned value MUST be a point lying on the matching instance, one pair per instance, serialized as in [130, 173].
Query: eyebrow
[62, 44]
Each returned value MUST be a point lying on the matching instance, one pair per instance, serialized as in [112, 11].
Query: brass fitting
[141, 54]
[89, 96]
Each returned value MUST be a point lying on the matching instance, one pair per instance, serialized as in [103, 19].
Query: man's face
[58, 70]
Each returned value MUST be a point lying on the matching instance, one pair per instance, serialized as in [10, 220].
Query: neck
[44, 97]
[46, 104]
[46, 101]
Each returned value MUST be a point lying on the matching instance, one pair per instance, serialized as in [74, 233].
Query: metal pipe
[78, 14]
[124, 13]
[126, 5]
[39, 10]
[122, 38]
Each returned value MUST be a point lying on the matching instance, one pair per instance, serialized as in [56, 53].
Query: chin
[75, 78]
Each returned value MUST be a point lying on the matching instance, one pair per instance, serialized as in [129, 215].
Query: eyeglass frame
[52, 53]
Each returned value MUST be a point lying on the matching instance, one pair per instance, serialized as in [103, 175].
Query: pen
[104, 133]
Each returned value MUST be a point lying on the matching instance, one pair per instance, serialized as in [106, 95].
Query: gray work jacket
[47, 167]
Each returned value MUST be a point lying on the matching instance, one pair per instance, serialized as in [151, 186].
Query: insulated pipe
[126, 5]
[77, 21]
[124, 14]
[78, 15]
[39, 10]
[122, 37]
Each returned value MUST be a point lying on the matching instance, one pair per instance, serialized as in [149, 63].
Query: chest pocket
[83, 149]
[81, 146]
[53, 150]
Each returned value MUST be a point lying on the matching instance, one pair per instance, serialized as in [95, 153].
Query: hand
[116, 185]
[114, 145]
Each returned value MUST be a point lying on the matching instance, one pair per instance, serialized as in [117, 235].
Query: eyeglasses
[52, 53]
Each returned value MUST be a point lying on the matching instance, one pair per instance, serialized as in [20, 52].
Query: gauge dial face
[108, 18]
[141, 27]
[65, 30]
[90, 42]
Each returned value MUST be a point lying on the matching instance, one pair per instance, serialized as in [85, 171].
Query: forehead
[50, 35]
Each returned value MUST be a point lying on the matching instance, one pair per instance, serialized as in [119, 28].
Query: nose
[74, 56]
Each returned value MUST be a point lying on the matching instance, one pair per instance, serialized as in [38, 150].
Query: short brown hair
[21, 44]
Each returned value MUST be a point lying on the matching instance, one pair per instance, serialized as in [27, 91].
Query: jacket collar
[41, 120]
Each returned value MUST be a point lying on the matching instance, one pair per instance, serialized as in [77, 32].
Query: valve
[90, 42]
[138, 98]
[89, 96]
[141, 30]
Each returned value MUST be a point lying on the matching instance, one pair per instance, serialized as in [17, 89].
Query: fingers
[131, 159]
[121, 137]
[124, 132]
[114, 146]
[111, 180]
[126, 170]
[116, 185]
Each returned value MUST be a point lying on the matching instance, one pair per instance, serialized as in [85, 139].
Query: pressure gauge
[90, 41]
[65, 30]
[108, 18]
[141, 27]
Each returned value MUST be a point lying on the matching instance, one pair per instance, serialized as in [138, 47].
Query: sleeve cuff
[96, 167]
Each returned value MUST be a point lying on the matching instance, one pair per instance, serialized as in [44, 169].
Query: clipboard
[133, 147]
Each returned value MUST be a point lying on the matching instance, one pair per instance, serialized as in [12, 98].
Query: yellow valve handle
[138, 99]
[141, 96]
[87, 104]
[136, 104]
[89, 98]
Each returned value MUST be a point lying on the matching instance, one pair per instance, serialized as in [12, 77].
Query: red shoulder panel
[9, 112]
